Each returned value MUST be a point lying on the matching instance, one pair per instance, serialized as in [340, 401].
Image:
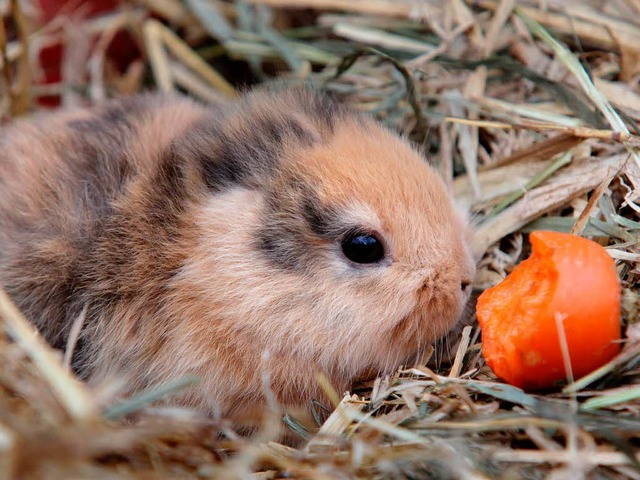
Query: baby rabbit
[277, 237]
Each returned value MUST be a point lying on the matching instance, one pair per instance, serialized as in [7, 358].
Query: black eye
[362, 248]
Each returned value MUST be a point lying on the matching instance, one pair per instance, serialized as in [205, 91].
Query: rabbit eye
[362, 248]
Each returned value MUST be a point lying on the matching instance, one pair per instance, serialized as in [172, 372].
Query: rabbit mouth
[414, 335]
[422, 328]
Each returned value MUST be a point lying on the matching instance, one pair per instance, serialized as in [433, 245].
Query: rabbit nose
[464, 284]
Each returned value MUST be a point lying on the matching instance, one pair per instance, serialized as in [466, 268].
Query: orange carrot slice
[566, 277]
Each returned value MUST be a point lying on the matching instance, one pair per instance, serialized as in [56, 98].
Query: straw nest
[528, 109]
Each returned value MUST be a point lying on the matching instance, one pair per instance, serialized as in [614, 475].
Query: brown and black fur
[205, 240]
